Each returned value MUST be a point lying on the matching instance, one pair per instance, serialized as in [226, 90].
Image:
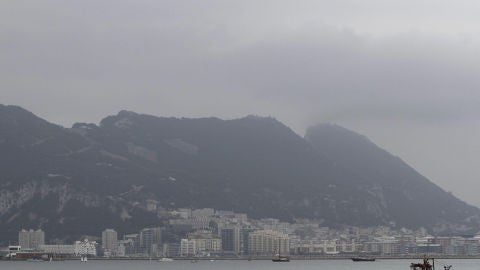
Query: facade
[131, 243]
[187, 248]
[151, 240]
[109, 242]
[31, 239]
[244, 233]
[231, 240]
[58, 249]
[268, 242]
[171, 250]
[85, 247]
[200, 246]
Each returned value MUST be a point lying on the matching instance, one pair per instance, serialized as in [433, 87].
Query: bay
[465, 264]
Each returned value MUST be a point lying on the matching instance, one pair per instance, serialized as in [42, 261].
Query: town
[210, 233]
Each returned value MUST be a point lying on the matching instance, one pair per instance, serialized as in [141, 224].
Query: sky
[404, 73]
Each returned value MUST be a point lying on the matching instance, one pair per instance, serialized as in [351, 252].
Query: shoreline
[262, 258]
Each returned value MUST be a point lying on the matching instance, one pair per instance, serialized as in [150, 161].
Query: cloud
[405, 73]
[97, 57]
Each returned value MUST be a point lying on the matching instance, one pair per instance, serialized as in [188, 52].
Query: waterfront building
[31, 240]
[330, 247]
[207, 246]
[308, 249]
[131, 242]
[187, 248]
[200, 243]
[109, 242]
[85, 248]
[231, 239]
[244, 233]
[150, 240]
[58, 249]
[348, 246]
[386, 246]
[268, 242]
[171, 250]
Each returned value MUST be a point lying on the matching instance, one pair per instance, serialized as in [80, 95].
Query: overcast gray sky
[404, 73]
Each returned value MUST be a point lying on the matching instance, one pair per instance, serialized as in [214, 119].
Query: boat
[363, 259]
[426, 265]
[83, 259]
[280, 258]
[165, 259]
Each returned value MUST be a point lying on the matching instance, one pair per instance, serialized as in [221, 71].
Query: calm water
[233, 265]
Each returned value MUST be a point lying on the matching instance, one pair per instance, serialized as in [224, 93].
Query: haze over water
[233, 265]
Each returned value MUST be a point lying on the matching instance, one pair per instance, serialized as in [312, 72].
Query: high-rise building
[31, 239]
[151, 240]
[231, 239]
[109, 242]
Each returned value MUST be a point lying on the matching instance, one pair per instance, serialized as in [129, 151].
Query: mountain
[403, 195]
[81, 180]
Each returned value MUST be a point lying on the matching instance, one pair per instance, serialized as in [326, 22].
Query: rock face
[84, 179]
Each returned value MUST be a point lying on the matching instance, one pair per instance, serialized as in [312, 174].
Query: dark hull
[363, 259]
[281, 260]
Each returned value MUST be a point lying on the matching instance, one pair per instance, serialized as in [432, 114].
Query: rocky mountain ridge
[80, 180]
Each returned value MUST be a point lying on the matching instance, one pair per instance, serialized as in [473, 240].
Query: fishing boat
[280, 258]
[363, 259]
[426, 265]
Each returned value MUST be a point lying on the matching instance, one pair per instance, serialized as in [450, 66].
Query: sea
[464, 264]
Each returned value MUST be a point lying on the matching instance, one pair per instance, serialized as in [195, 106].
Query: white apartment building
[200, 246]
[31, 239]
[58, 249]
[268, 242]
[187, 247]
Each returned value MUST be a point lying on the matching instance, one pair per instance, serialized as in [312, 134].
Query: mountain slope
[86, 178]
[408, 198]
[44, 182]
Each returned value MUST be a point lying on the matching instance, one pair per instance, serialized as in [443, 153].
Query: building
[31, 239]
[268, 242]
[131, 243]
[231, 240]
[244, 233]
[151, 240]
[85, 248]
[171, 250]
[385, 246]
[200, 246]
[109, 242]
[58, 250]
[187, 248]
